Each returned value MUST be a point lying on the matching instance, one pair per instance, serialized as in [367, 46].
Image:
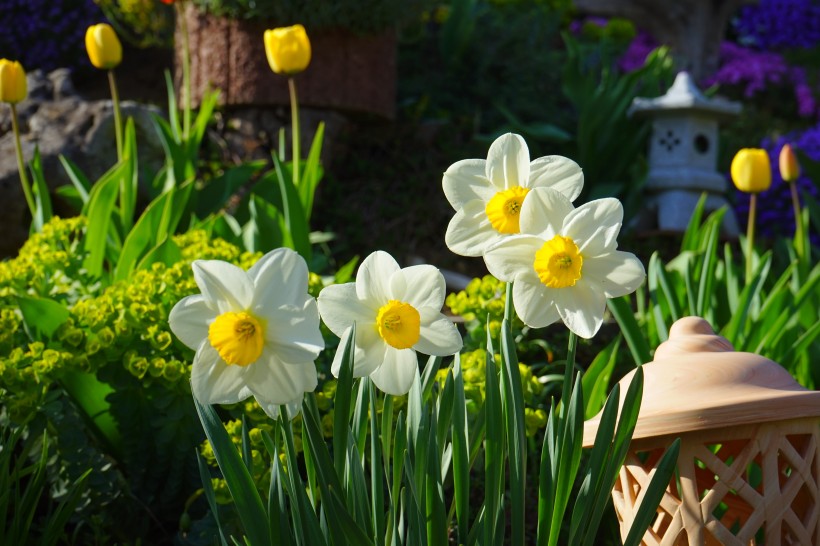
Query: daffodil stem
[798, 221]
[508, 303]
[294, 120]
[186, 72]
[572, 345]
[750, 236]
[21, 163]
[115, 100]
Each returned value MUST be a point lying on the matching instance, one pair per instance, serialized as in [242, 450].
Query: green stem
[21, 164]
[115, 99]
[186, 72]
[572, 346]
[750, 236]
[294, 117]
[798, 221]
[508, 304]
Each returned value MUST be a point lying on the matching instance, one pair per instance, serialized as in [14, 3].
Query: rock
[56, 120]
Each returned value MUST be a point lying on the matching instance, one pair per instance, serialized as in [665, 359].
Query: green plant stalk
[750, 236]
[21, 164]
[115, 99]
[799, 243]
[186, 71]
[294, 120]
[572, 346]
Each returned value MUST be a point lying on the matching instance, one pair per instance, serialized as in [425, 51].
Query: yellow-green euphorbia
[288, 49]
[13, 87]
[751, 170]
[103, 46]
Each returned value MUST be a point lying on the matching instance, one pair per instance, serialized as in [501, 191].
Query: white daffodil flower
[397, 312]
[255, 333]
[564, 264]
[487, 195]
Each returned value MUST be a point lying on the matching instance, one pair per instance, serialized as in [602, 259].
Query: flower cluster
[777, 24]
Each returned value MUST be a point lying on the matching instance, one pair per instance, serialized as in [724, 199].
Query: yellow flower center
[399, 324]
[504, 208]
[558, 263]
[237, 337]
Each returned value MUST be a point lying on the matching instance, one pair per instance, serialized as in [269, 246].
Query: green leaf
[635, 340]
[208, 491]
[295, 217]
[312, 173]
[240, 484]
[78, 179]
[42, 316]
[595, 381]
[493, 447]
[101, 205]
[341, 402]
[516, 429]
[166, 252]
[461, 460]
[90, 395]
[42, 199]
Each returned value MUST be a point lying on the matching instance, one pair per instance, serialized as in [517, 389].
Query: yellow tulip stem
[186, 72]
[115, 99]
[21, 164]
[750, 236]
[294, 115]
[798, 220]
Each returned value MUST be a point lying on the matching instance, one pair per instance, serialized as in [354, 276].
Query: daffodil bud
[751, 170]
[789, 167]
[103, 46]
[288, 49]
[12, 81]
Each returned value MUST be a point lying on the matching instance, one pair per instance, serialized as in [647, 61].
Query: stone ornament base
[348, 72]
[735, 486]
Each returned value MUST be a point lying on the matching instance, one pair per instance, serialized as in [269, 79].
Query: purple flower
[637, 52]
[777, 24]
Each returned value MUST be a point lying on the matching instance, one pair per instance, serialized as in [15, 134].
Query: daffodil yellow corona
[564, 263]
[751, 170]
[488, 195]
[255, 333]
[789, 167]
[396, 312]
[103, 46]
[12, 82]
[288, 49]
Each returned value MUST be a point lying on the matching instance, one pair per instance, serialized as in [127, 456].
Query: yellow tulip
[12, 81]
[751, 170]
[103, 46]
[789, 167]
[288, 49]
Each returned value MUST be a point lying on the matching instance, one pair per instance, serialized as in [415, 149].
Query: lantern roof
[698, 382]
[684, 96]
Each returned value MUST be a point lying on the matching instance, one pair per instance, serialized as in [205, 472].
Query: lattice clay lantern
[748, 467]
[683, 156]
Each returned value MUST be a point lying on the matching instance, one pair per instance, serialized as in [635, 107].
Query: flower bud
[288, 49]
[751, 170]
[103, 46]
[12, 81]
[789, 167]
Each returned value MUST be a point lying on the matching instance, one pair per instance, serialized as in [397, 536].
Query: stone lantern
[748, 467]
[683, 155]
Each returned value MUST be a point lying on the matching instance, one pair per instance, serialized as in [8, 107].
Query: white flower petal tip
[397, 312]
[256, 333]
[488, 195]
[564, 264]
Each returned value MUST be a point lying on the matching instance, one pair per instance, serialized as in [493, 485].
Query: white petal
[396, 374]
[559, 173]
[594, 226]
[581, 308]
[439, 336]
[465, 181]
[617, 274]
[470, 232]
[543, 213]
[273, 382]
[373, 278]
[508, 162]
[189, 320]
[293, 333]
[513, 258]
[420, 286]
[368, 351]
[215, 382]
[280, 277]
[224, 285]
[340, 307]
[534, 304]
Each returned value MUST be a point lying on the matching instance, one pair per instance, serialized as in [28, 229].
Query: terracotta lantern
[748, 467]
[683, 151]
